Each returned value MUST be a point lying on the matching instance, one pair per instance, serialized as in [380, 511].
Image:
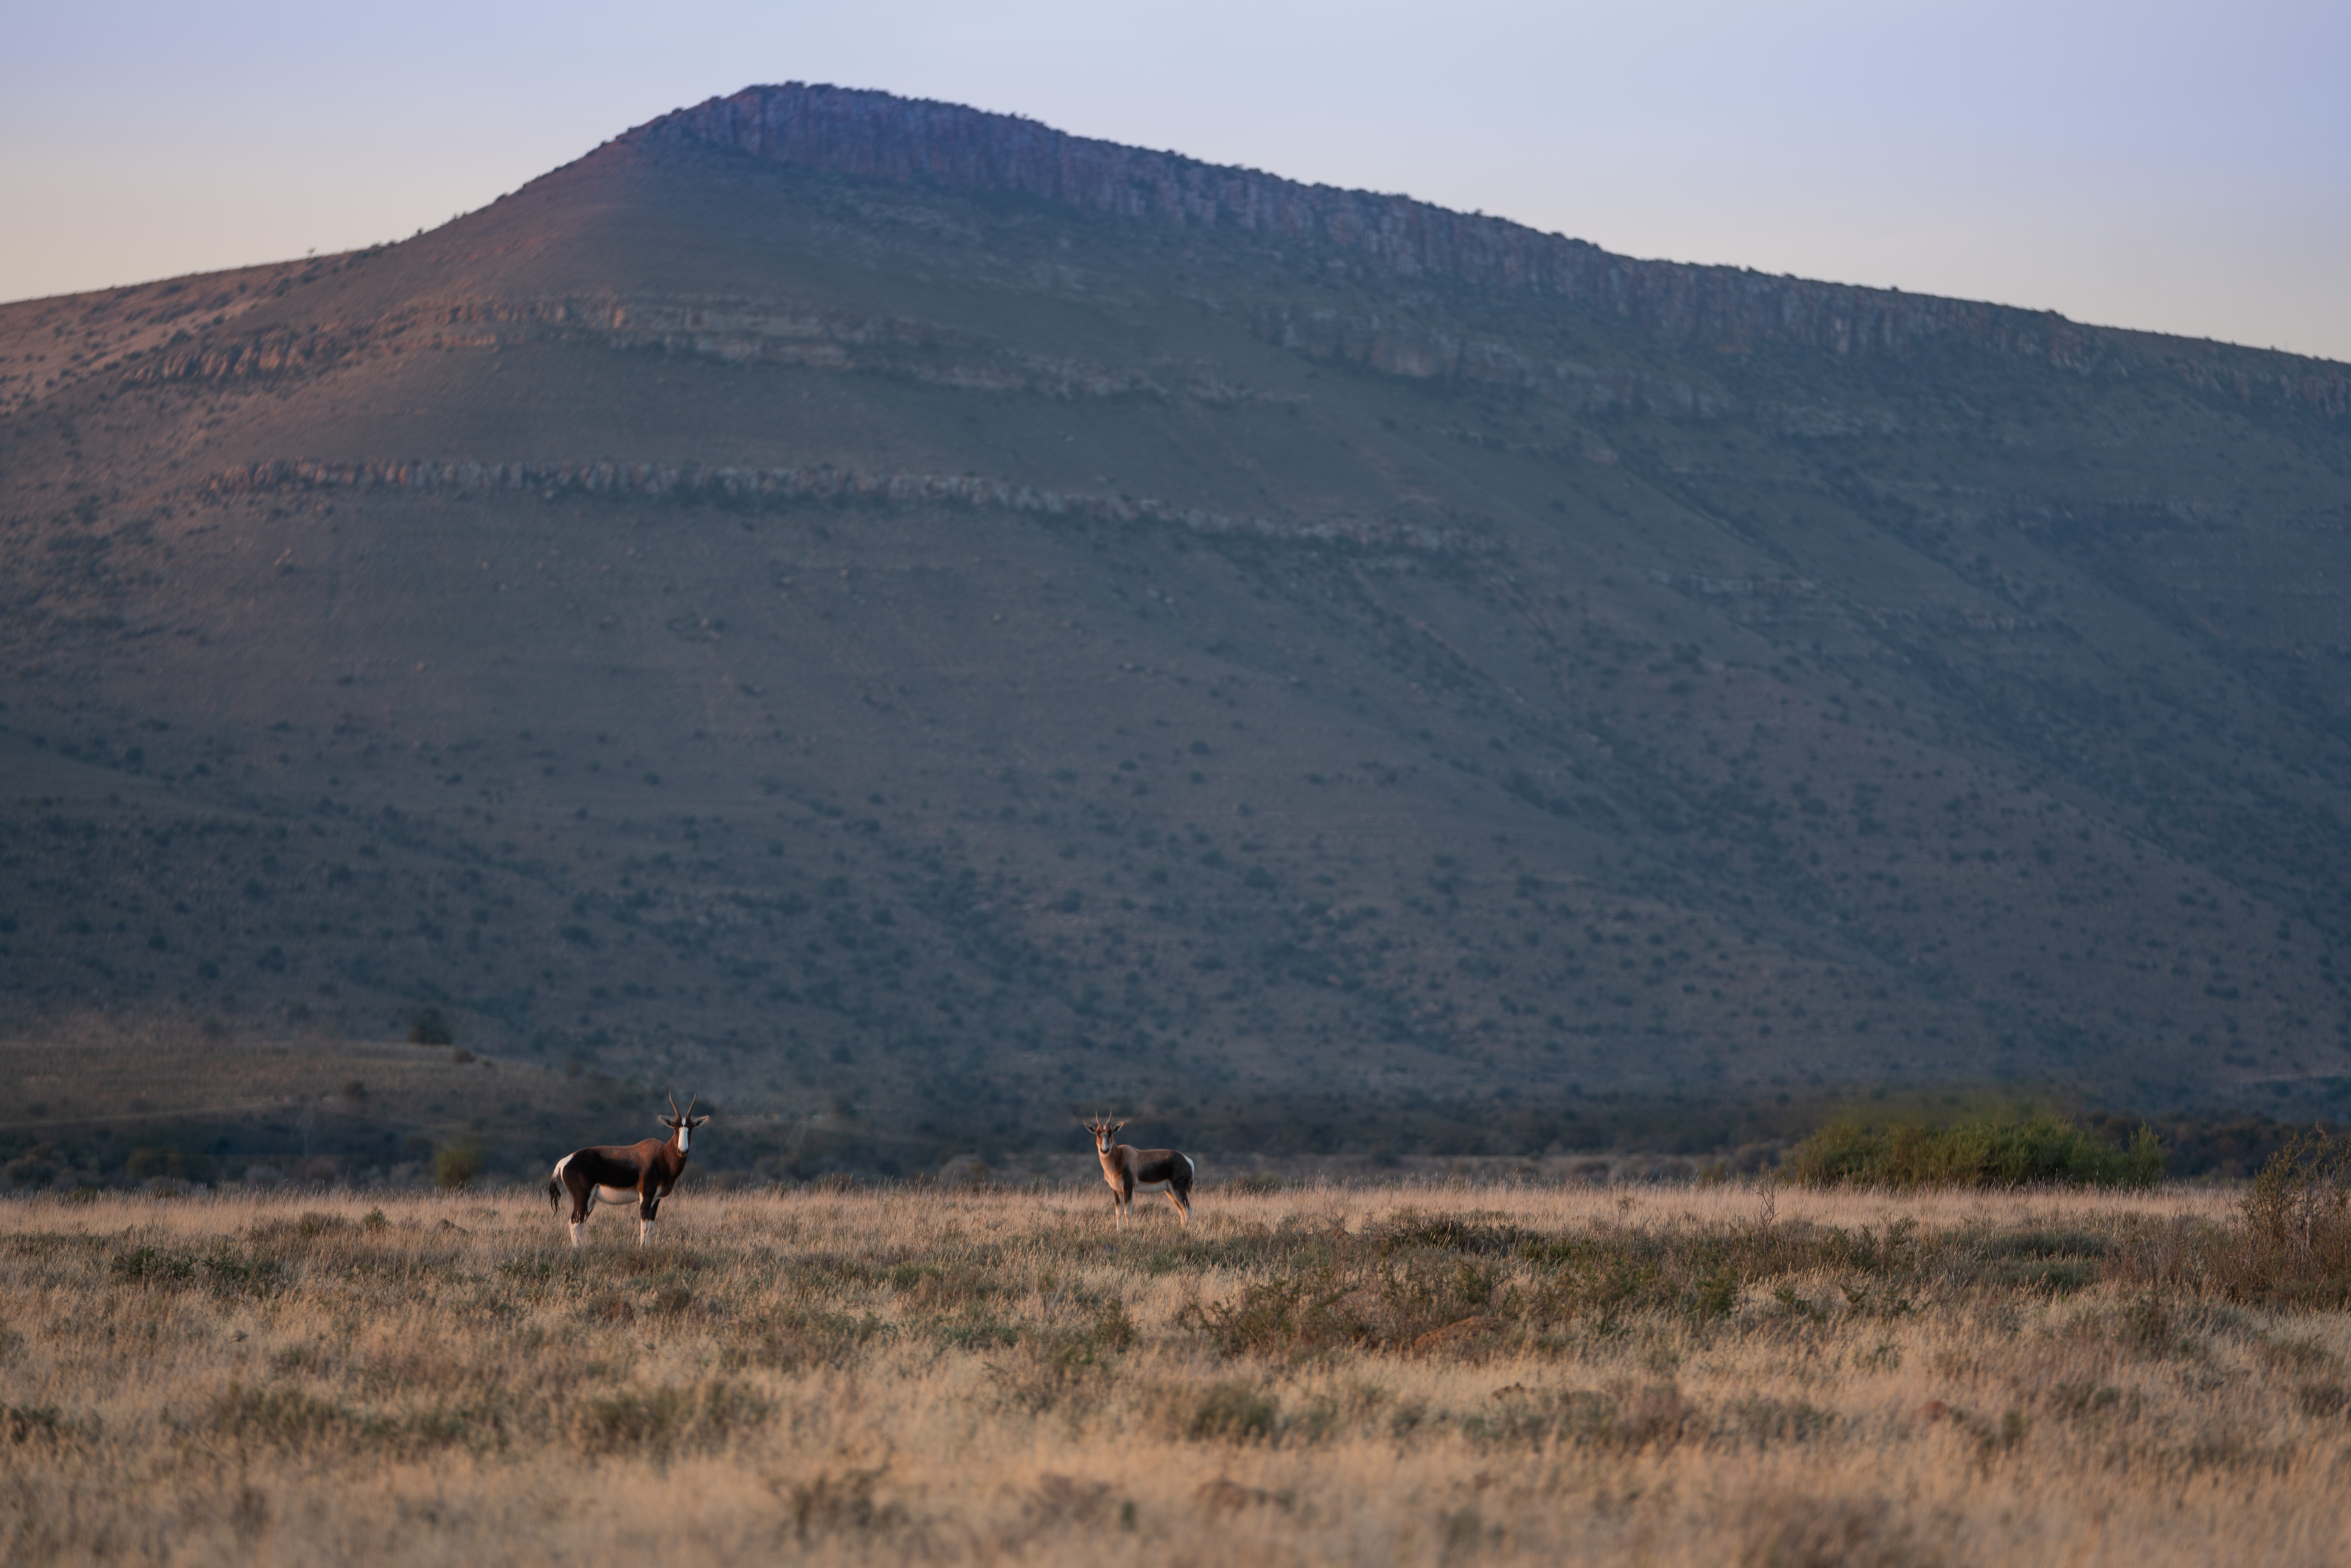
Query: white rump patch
[560, 1164]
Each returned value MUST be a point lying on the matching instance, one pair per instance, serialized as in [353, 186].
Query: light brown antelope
[1123, 1167]
[642, 1174]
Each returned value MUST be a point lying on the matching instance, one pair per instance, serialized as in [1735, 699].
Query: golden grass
[1473, 1374]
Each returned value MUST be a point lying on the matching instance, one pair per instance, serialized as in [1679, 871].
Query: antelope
[642, 1174]
[1123, 1167]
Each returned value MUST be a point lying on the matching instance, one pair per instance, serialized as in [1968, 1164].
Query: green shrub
[280, 1418]
[232, 1274]
[154, 1265]
[2042, 1150]
[660, 1420]
[456, 1166]
[148, 1163]
[1234, 1412]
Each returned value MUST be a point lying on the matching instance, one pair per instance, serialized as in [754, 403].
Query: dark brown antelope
[642, 1174]
[1123, 1167]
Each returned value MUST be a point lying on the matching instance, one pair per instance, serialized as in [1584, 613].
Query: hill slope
[893, 615]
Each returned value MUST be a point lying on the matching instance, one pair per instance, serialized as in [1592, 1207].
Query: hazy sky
[2185, 168]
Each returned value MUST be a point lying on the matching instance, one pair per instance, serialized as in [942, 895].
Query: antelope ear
[699, 1120]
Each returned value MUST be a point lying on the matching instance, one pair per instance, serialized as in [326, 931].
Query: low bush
[2290, 1245]
[144, 1164]
[2043, 1150]
[793, 1340]
[2294, 1249]
[659, 1421]
[281, 1417]
[22, 1424]
[1233, 1411]
[456, 1166]
[2299, 1212]
[1628, 1419]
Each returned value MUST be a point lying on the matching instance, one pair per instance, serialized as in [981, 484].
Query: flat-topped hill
[901, 619]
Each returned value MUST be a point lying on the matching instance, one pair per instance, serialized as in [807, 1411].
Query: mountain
[914, 624]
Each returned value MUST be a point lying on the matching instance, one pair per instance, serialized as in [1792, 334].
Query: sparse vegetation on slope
[867, 644]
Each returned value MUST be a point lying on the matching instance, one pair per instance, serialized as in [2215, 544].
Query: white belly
[617, 1193]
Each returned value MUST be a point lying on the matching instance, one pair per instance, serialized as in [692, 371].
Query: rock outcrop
[823, 486]
[877, 135]
[880, 136]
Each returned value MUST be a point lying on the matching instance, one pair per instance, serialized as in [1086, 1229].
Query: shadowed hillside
[914, 624]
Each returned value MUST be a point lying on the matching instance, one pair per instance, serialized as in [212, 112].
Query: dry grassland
[1367, 1375]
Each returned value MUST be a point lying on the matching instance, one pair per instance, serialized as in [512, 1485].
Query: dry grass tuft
[1833, 1532]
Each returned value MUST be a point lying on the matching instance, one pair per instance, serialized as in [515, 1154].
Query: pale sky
[2179, 167]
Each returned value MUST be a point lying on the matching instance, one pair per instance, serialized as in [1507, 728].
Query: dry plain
[1319, 1375]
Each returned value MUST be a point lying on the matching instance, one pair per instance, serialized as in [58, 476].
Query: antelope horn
[690, 1100]
[673, 1104]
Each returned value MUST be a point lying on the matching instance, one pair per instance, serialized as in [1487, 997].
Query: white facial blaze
[684, 1132]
